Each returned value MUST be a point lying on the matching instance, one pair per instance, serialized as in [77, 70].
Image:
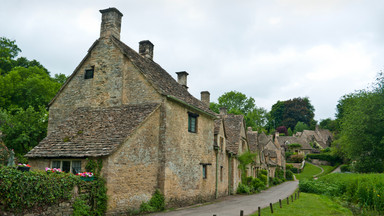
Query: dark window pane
[88, 74]
[204, 171]
[192, 124]
[56, 164]
[66, 166]
[76, 167]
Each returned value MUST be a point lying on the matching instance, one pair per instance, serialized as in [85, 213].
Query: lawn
[327, 170]
[308, 205]
[308, 172]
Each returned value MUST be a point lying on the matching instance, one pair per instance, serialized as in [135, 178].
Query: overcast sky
[267, 49]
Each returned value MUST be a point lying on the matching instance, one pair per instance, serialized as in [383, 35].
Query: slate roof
[253, 142]
[283, 140]
[159, 78]
[93, 132]
[233, 125]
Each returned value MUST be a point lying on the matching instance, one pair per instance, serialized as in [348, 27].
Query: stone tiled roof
[159, 78]
[217, 126]
[263, 139]
[93, 132]
[253, 141]
[283, 140]
[233, 126]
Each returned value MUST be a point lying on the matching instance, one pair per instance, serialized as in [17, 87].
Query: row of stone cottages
[150, 132]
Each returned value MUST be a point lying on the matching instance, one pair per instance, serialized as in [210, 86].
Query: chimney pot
[205, 97]
[146, 49]
[223, 111]
[182, 78]
[110, 23]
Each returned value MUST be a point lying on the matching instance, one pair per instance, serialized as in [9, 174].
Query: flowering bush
[85, 174]
[23, 165]
[53, 170]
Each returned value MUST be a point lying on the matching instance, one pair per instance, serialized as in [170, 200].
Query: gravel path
[232, 205]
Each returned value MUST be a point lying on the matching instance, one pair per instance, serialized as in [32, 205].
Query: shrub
[243, 189]
[289, 175]
[295, 170]
[294, 145]
[345, 168]
[263, 178]
[264, 172]
[257, 184]
[297, 158]
[80, 207]
[288, 166]
[156, 203]
[325, 157]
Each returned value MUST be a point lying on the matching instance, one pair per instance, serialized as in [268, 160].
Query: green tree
[24, 87]
[362, 132]
[300, 127]
[329, 124]
[239, 104]
[288, 113]
[23, 129]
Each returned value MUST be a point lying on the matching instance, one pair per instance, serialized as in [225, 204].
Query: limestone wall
[131, 172]
[184, 154]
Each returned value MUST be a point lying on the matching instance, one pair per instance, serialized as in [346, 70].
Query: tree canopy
[288, 113]
[25, 91]
[239, 103]
[361, 118]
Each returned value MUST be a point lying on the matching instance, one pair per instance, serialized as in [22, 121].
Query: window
[204, 171]
[192, 122]
[68, 166]
[89, 73]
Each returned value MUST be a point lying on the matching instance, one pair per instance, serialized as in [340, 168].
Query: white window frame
[71, 164]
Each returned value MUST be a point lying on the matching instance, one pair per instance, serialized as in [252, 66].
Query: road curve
[233, 204]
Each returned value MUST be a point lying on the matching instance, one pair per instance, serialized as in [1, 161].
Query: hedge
[325, 157]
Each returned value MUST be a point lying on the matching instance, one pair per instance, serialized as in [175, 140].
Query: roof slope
[159, 78]
[93, 132]
[233, 125]
[253, 141]
[285, 140]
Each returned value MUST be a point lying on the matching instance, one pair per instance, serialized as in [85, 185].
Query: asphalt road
[232, 205]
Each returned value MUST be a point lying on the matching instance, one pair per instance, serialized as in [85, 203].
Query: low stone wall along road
[231, 205]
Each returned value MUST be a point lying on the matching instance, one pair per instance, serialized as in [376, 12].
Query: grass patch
[308, 205]
[308, 172]
[327, 170]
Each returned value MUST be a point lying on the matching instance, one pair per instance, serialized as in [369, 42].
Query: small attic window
[89, 73]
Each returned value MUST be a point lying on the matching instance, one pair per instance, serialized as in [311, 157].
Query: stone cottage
[222, 159]
[150, 132]
[237, 143]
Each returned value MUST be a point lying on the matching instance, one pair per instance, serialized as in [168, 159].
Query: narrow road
[233, 204]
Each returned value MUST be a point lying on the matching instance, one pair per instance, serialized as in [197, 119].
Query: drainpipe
[229, 174]
[217, 172]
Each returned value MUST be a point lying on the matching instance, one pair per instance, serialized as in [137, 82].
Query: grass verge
[308, 172]
[308, 205]
[327, 170]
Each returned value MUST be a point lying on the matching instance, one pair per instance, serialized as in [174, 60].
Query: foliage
[282, 130]
[294, 145]
[80, 207]
[244, 160]
[4, 154]
[23, 129]
[333, 159]
[94, 166]
[296, 158]
[300, 127]
[288, 113]
[243, 189]
[361, 137]
[25, 191]
[345, 168]
[239, 103]
[365, 190]
[308, 204]
[289, 175]
[329, 124]
[156, 203]
[290, 133]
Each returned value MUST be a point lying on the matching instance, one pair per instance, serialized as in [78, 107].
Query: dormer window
[192, 122]
[89, 73]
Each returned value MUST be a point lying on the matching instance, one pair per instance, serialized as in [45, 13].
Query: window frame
[61, 164]
[89, 73]
[192, 128]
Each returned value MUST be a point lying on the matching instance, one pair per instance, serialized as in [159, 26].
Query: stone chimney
[205, 97]
[250, 129]
[223, 111]
[146, 49]
[182, 78]
[110, 23]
